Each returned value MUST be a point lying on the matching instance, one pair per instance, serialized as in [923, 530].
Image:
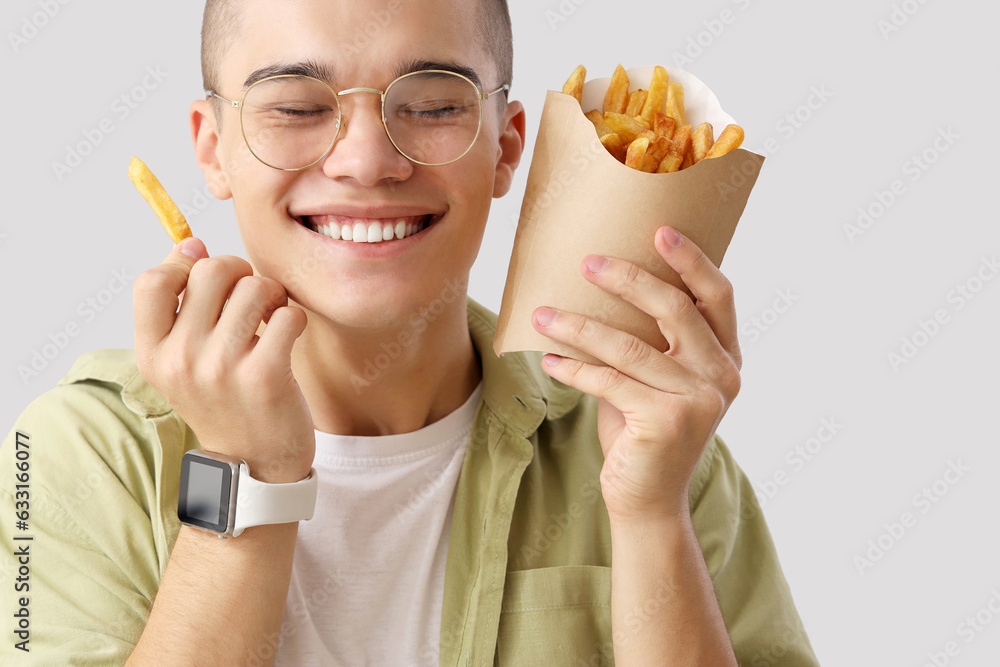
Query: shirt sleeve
[77, 465]
[754, 597]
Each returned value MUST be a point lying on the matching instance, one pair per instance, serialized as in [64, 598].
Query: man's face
[362, 44]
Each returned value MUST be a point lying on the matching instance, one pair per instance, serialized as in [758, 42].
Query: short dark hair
[223, 21]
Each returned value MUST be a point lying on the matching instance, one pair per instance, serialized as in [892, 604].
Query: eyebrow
[320, 71]
[447, 66]
[305, 68]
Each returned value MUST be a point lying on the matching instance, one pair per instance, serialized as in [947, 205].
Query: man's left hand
[658, 410]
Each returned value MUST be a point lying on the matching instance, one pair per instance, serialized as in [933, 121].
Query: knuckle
[210, 269]
[580, 328]
[631, 350]
[212, 372]
[680, 304]
[724, 291]
[151, 281]
[631, 275]
[608, 378]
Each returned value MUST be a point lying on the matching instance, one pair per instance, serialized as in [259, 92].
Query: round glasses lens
[290, 122]
[432, 117]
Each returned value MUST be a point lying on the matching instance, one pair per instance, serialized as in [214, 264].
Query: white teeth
[360, 233]
[369, 231]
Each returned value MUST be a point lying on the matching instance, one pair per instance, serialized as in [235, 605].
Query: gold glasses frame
[481, 96]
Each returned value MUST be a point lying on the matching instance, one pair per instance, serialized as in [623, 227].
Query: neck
[389, 379]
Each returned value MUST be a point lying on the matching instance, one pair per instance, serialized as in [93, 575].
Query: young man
[470, 509]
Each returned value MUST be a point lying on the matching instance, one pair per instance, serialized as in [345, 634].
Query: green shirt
[528, 575]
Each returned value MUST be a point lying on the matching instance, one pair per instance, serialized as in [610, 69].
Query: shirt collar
[514, 386]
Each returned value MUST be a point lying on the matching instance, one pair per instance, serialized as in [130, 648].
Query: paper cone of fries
[581, 200]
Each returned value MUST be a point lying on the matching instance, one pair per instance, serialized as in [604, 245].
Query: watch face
[204, 495]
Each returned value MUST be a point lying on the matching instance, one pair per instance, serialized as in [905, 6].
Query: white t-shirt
[368, 576]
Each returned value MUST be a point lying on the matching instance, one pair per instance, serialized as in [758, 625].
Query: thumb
[191, 247]
[185, 253]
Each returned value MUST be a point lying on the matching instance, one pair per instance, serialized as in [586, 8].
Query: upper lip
[369, 211]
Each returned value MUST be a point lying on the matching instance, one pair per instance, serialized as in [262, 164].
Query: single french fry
[657, 93]
[675, 102]
[636, 153]
[152, 191]
[597, 119]
[649, 164]
[729, 140]
[679, 146]
[669, 164]
[615, 146]
[626, 126]
[574, 84]
[616, 99]
[701, 142]
[635, 102]
[642, 121]
[688, 161]
[663, 125]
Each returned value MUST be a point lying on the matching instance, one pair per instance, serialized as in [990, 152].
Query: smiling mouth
[368, 230]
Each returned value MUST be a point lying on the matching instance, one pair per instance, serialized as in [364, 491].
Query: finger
[619, 350]
[681, 323]
[252, 301]
[209, 285]
[712, 290]
[285, 325]
[625, 393]
[156, 293]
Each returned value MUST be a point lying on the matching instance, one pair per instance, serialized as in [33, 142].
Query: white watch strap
[259, 503]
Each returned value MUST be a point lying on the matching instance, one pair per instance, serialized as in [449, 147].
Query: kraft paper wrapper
[580, 200]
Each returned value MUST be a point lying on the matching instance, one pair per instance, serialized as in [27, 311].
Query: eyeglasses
[291, 122]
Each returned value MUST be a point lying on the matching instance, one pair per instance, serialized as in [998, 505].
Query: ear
[511, 146]
[207, 148]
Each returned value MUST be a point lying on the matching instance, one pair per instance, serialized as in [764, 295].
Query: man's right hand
[233, 388]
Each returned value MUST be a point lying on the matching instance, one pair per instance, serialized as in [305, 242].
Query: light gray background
[825, 357]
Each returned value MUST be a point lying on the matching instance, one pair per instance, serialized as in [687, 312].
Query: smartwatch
[218, 495]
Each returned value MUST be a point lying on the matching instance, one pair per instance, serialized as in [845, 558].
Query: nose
[363, 152]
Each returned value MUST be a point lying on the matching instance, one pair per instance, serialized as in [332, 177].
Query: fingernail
[671, 237]
[596, 263]
[545, 316]
[551, 360]
[189, 248]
